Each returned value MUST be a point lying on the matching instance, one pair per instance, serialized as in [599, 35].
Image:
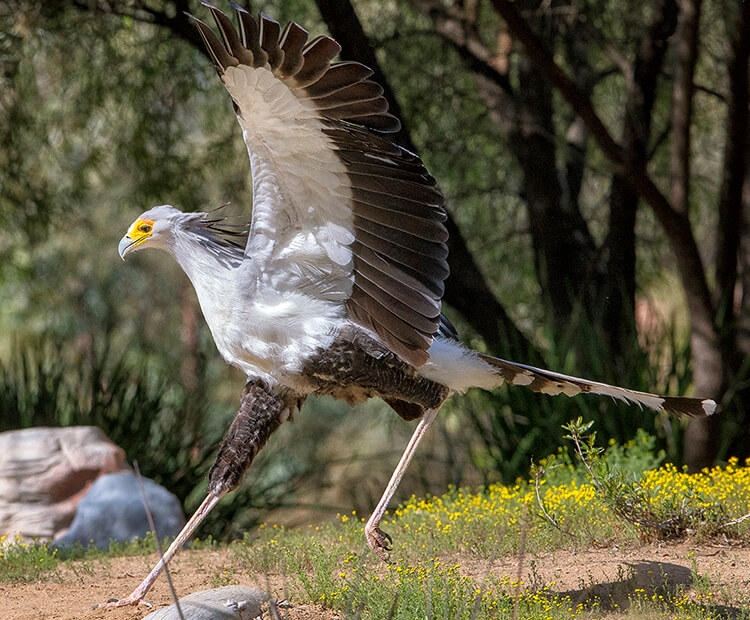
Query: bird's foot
[379, 541]
[128, 601]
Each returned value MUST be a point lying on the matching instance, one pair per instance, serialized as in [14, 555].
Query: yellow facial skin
[139, 232]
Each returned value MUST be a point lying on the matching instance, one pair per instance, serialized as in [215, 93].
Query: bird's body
[264, 322]
[338, 288]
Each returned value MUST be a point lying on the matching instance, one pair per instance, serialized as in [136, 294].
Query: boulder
[229, 602]
[113, 510]
[44, 472]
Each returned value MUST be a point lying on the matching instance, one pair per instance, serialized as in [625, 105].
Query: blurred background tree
[594, 157]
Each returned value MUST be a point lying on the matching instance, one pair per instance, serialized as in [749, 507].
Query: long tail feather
[548, 382]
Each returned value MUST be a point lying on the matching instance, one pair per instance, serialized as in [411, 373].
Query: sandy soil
[723, 570]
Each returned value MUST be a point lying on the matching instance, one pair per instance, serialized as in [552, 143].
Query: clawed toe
[380, 542]
[122, 602]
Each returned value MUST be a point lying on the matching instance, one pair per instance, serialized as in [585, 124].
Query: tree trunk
[618, 292]
[564, 249]
[733, 243]
[730, 200]
[675, 223]
[189, 328]
[701, 435]
[743, 318]
[563, 252]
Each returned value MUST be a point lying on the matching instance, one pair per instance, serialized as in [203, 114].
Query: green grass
[22, 562]
[446, 547]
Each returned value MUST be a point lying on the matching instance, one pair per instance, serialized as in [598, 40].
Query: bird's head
[153, 228]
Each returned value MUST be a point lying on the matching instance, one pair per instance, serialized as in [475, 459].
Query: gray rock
[221, 603]
[44, 472]
[113, 509]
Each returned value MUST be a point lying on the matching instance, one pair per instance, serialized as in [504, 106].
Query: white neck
[208, 271]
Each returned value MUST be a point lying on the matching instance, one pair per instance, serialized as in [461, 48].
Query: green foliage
[104, 118]
[24, 562]
[41, 386]
[436, 538]
[663, 506]
[27, 562]
[631, 459]
[512, 426]
[628, 501]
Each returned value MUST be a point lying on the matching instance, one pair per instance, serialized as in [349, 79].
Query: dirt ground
[723, 570]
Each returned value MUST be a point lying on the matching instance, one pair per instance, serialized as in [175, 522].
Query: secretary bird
[338, 288]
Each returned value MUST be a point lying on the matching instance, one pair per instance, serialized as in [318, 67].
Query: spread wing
[338, 211]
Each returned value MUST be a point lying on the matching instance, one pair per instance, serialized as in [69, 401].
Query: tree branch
[451, 23]
[179, 25]
[675, 224]
[562, 253]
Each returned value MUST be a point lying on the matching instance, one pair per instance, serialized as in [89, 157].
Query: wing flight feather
[268, 35]
[341, 76]
[381, 217]
[292, 43]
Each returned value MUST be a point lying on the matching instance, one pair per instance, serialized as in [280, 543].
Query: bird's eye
[145, 228]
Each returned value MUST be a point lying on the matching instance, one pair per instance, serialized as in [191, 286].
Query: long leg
[377, 539]
[260, 414]
[136, 596]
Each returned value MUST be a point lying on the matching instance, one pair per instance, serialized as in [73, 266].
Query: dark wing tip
[692, 407]
[214, 46]
[304, 67]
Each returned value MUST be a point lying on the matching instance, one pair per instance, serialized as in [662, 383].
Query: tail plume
[552, 383]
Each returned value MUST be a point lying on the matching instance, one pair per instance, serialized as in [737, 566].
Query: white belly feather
[270, 334]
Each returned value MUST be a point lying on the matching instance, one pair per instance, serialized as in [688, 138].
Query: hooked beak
[127, 244]
[139, 232]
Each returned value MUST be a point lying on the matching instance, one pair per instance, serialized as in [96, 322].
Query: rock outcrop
[44, 473]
